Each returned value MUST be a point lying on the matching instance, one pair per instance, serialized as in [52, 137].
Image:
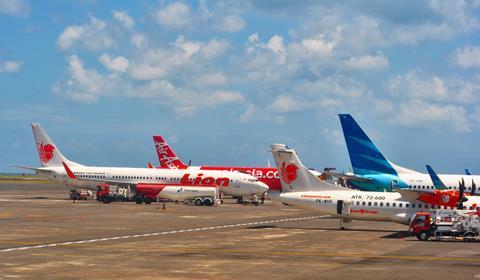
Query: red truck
[108, 193]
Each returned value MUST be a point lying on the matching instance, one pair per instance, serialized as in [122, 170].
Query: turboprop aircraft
[374, 172]
[60, 169]
[301, 188]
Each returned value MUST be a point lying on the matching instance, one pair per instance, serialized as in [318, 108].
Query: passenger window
[369, 203]
[388, 204]
[375, 204]
[358, 203]
[394, 204]
[363, 203]
[381, 204]
[400, 205]
[407, 205]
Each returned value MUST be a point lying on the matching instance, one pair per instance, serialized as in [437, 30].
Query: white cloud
[367, 62]
[216, 78]
[81, 84]
[91, 36]
[138, 40]
[223, 97]
[250, 114]
[254, 38]
[214, 48]
[332, 136]
[231, 23]
[174, 15]
[124, 19]
[181, 55]
[114, 64]
[318, 46]
[424, 86]
[10, 66]
[468, 56]
[20, 8]
[420, 114]
[276, 44]
[189, 47]
[285, 104]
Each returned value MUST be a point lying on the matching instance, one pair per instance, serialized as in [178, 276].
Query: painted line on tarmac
[320, 254]
[158, 233]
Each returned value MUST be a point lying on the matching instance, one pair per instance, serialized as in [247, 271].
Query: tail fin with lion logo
[294, 176]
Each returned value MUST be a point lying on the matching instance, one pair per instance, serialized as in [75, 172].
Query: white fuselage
[424, 181]
[358, 205]
[229, 183]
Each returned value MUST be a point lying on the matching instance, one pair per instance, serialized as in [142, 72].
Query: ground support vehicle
[199, 196]
[110, 193]
[446, 223]
[80, 194]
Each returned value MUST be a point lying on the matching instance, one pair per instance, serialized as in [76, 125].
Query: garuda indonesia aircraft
[374, 172]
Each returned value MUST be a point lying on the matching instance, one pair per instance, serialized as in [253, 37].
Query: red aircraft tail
[166, 156]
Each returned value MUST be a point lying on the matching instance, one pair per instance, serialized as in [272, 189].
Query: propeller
[461, 187]
[474, 188]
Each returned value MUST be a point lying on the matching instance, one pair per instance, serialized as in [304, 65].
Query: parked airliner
[57, 167]
[301, 188]
[374, 172]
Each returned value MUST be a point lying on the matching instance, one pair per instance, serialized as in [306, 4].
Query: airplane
[168, 159]
[372, 171]
[57, 167]
[301, 188]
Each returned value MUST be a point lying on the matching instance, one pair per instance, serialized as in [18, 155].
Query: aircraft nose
[261, 187]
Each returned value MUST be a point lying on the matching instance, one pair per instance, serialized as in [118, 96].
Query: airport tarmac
[44, 235]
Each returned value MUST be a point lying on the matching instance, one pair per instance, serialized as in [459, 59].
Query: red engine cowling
[447, 198]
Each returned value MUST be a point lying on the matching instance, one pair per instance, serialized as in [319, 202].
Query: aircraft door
[236, 183]
[344, 207]
[393, 185]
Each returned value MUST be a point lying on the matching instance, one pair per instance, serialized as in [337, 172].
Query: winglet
[437, 183]
[150, 165]
[69, 172]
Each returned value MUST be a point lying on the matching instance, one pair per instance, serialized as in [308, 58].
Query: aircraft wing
[410, 194]
[36, 169]
[349, 177]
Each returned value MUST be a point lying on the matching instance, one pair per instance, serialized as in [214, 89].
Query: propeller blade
[474, 188]
[461, 188]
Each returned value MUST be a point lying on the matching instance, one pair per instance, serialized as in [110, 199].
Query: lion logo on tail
[289, 173]
[46, 152]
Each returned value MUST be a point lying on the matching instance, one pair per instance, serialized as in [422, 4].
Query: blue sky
[221, 80]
